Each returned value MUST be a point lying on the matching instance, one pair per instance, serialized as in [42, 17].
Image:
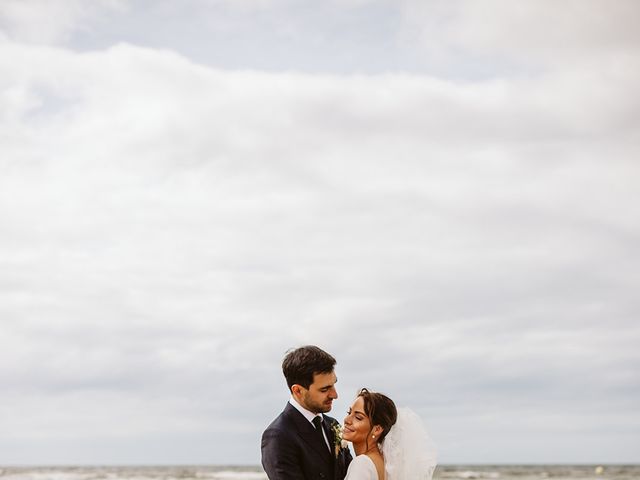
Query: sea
[443, 472]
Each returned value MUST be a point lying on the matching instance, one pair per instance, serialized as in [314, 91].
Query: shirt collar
[307, 414]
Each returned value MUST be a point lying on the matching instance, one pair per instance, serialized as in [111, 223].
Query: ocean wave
[240, 475]
[132, 473]
[470, 474]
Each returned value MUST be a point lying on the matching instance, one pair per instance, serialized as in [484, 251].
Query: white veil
[409, 453]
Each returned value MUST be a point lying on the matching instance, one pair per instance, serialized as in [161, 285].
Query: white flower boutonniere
[338, 442]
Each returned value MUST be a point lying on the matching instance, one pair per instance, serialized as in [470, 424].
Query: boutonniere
[338, 442]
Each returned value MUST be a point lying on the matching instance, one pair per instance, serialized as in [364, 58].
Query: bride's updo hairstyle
[381, 411]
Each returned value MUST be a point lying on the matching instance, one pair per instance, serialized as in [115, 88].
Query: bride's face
[357, 425]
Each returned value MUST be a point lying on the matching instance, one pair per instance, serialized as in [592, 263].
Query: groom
[301, 443]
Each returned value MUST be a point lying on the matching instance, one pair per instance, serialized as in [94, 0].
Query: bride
[389, 444]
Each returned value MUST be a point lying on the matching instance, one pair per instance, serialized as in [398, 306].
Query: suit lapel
[308, 433]
[330, 435]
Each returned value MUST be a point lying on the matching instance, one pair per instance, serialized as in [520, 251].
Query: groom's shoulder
[281, 433]
[283, 421]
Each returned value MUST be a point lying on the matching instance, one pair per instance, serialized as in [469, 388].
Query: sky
[442, 194]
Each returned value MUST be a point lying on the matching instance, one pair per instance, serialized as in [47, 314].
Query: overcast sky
[442, 194]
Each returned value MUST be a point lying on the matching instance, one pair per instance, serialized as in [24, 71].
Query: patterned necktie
[317, 421]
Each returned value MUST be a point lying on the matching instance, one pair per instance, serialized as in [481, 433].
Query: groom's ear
[295, 389]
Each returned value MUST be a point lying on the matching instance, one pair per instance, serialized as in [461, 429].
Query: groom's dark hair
[301, 364]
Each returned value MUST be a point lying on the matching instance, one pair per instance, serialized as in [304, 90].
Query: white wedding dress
[408, 452]
[362, 468]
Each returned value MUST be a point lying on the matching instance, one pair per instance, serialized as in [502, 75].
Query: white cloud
[49, 21]
[168, 230]
[552, 27]
[525, 36]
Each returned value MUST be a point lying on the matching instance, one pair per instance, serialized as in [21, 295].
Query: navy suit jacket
[292, 449]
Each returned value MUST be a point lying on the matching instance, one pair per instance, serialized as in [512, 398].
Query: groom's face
[319, 397]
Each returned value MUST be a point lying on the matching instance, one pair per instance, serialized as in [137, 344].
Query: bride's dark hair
[381, 411]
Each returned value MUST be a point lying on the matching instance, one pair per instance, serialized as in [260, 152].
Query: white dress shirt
[309, 416]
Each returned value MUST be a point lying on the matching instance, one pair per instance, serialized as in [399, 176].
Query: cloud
[168, 230]
[554, 28]
[517, 38]
[46, 22]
